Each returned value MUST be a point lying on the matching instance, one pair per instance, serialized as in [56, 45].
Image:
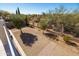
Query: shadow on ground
[51, 35]
[72, 44]
[28, 38]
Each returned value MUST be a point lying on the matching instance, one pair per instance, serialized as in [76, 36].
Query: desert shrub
[76, 30]
[43, 23]
[18, 20]
[67, 38]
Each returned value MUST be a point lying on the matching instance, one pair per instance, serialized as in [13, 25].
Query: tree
[4, 14]
[18, 20]
[56, 18]
[43, 23]
[27, 21]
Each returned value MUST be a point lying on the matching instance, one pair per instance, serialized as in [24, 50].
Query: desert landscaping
[51, 33]
[44, 45]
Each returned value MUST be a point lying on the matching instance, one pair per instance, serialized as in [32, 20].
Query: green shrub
[76, 30]
[67, 38]
[18, 20]
[43, 24]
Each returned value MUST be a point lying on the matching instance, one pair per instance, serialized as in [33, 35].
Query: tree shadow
[28, 39]
[51, 35]
[71, 43]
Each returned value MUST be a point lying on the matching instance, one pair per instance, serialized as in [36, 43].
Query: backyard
[54, 32]
[43, 45]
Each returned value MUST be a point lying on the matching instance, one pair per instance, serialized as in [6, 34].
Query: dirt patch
[37, 46]
[41, 44]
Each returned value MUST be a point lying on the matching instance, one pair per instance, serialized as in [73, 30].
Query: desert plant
[18, 20]
[26, 21]
[43, 23]
[67, 38]
[18, 11]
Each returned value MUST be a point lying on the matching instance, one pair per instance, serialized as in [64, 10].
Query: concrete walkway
[4, 38]
[2, 50]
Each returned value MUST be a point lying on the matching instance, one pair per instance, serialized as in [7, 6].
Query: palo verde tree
[18, 19]
[58, 18]
[4, 14]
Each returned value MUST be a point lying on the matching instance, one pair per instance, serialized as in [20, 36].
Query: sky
[35, 8]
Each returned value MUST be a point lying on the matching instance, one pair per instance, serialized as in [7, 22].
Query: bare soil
[39, 44]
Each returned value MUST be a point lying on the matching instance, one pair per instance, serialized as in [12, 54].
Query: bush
[76, 30]
[18, 20]
[67, 38]
[43, 24]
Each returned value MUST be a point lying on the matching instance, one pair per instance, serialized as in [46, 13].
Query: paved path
[2, 50]
[7, 40]
[4, 38]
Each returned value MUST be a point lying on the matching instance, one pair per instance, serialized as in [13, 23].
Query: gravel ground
[43, 46]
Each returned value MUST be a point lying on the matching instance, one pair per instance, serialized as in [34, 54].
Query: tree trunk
[21, 31]
[62, 29]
